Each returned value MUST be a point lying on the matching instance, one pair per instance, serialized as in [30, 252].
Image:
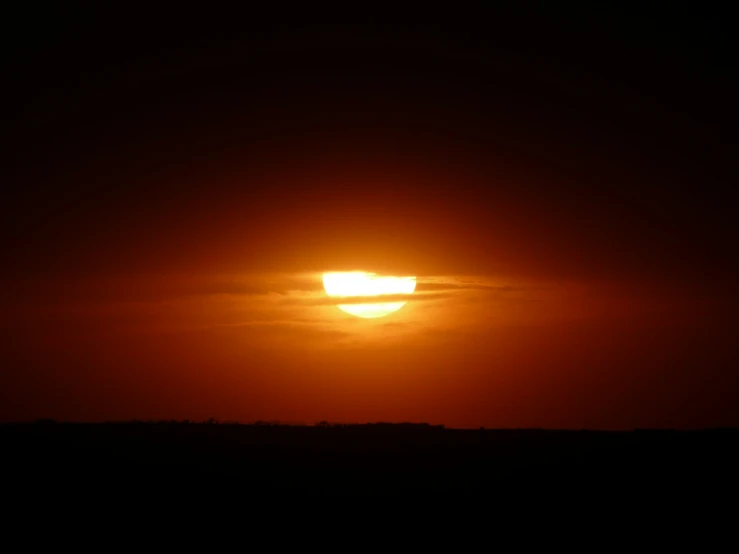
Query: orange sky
[566, 211]
[464, 351]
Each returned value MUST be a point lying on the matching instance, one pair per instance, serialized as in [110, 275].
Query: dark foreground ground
[153, 460]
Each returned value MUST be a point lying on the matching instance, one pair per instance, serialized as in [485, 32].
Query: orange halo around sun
[343, 284]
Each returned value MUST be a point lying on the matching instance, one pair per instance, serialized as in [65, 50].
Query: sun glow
[347, 284]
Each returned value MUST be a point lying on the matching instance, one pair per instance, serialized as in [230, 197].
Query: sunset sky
[563, 189]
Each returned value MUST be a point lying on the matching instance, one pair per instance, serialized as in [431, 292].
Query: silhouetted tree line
[376, 425]
[261, 423]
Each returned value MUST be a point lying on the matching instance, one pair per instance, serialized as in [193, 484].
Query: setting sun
[350, 284]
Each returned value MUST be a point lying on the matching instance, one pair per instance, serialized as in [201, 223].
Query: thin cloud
[440, 287]
[384, 298]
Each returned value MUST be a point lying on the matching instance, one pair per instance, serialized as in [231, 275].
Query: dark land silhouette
[46, 459]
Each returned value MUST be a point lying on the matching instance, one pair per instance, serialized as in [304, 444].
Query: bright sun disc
[359, 283]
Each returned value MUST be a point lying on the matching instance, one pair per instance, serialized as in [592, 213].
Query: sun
[347, 284]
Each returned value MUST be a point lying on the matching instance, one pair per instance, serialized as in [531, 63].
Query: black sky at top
[611, 134]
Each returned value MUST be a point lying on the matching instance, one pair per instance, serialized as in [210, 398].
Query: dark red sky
[562, 184]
